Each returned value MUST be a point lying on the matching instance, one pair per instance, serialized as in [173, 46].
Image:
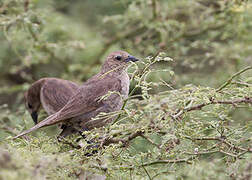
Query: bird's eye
[118, 58]
[29, 106]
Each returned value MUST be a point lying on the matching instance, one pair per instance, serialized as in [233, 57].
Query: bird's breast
[125, 85]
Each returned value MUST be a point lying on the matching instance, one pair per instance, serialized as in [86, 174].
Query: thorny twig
[180, 112]
[232, 77]
[187, 160]
[154, 9]
[107, 141]
[212, 101]
[146, 172]
[241, 83]
[217, 151]
[222, 140]
[150, 141]
[175, 161]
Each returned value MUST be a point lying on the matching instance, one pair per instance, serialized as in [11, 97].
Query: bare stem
[232, 77]
[125, 141]
[221, 139]
[154, 9]
[187, 160]
[199, 106]
[150, 141]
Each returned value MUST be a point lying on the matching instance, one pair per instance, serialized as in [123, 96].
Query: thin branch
[202, 138]
[150, 140]
[217, 151]
[147, 172]
[202, 153]
[232, 77]
[232, 102]
[228, 154]
[241, 83]
[65, 141]
[212, 101]
[154, 8]
[244, 152]
[125, 141]
[221, 139]
[187, 160]
[164, 172]
[233, 146]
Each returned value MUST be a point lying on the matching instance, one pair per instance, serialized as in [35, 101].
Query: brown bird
[51, 93]
[88, 102]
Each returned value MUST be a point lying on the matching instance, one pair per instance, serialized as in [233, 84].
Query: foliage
[200, 35]
[178, 128]
[187, 117]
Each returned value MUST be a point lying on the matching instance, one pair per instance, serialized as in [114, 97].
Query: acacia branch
[150, 141]
[64, 141]
[232, 77]
[124, 141]
[220, 151]
[212, 101]
[187, 160]
[241, 83]
[147, 172]
[220, 139]
[201, 153]
[232, 102]
[154, 8]
[228, 154]
[213, 152]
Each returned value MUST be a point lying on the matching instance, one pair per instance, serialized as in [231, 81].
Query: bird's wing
[55, 93]
[84, 101]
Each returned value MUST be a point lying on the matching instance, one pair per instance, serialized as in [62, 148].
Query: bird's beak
[34, 116]
[131, 58]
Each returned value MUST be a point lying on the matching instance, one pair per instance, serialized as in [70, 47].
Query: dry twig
[232, 77]
[212, 101]
[125, 141]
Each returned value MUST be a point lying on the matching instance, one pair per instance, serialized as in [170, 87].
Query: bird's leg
[92, 145]
[81, 133]
[66, 130]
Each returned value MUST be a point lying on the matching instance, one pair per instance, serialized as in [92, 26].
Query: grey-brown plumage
[51, 93]
[87, 103]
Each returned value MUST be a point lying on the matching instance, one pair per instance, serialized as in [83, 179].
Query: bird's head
[32, 104]
[118, 61]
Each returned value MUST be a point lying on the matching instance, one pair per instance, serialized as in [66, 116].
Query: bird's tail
[47, 122]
